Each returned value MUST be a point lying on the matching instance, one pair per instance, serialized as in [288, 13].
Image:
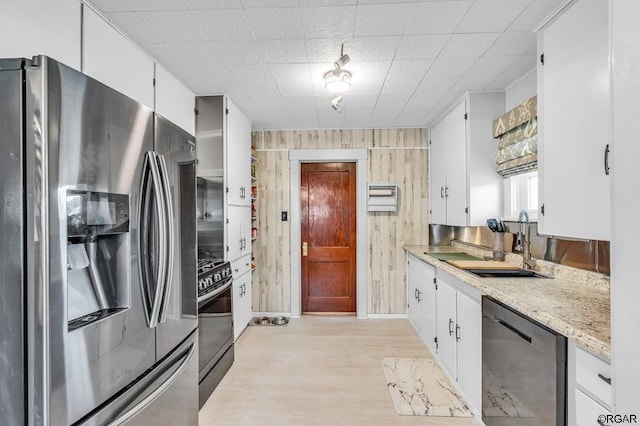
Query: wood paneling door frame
[360, 157]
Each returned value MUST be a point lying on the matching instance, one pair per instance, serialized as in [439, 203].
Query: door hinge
[542, 209]
[227, 220]
[195, 111]
[227, 248]
[226, 111]
[429, 141]
[430, 211]
[542, 59]
[466, 115]
[435, 339]
[154, 82]
[227, 189]
[466, 210]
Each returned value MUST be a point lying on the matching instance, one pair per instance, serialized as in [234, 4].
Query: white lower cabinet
[421, 299]
[242, 310]
[459, 334]
[588, 387]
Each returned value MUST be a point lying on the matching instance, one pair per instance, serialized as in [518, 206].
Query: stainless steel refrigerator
[97, 256]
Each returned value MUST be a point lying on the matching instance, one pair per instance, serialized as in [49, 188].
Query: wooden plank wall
[399, 156]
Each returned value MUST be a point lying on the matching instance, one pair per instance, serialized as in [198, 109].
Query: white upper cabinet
[115, 61]
[465, 189]
[574, 123]
[174, 100]
[238, 152]
[36, 27]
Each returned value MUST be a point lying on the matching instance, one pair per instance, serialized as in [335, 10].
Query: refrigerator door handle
[169, 240]
[152, 300]
[183, 362]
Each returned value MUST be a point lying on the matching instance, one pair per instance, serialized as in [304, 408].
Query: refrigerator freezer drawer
[165, 395]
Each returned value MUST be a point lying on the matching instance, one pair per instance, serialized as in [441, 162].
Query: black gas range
[215, 323]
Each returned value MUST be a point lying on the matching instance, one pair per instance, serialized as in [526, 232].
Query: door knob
[304, 249]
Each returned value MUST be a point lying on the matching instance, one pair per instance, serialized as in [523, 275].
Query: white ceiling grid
[410, 58]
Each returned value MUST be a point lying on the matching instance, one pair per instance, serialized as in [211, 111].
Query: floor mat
[419, 387]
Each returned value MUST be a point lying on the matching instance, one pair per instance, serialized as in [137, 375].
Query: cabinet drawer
[241, 266]
[588, 410]
[591, 373]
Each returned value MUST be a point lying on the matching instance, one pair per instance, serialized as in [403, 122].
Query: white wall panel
[174, 100]
[115, 61]
[34, 27]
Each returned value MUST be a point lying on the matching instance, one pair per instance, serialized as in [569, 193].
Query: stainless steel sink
[503, 273]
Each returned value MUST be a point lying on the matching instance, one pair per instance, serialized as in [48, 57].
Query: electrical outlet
[284, 216]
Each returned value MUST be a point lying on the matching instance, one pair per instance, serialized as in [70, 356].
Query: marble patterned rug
[419, 387]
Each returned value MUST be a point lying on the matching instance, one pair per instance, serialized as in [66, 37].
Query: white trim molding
[360, 157]
[388, 316]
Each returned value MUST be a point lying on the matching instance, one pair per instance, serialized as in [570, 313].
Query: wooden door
[328, 197]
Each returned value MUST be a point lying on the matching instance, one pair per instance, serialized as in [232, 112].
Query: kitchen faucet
[523, 240]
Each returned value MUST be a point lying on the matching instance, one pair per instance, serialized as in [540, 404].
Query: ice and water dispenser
[98, 256]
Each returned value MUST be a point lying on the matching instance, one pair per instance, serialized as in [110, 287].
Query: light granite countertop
[575, 303]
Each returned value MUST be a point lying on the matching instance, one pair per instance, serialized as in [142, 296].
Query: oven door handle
[217, 291]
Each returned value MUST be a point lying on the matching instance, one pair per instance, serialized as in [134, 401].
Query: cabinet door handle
[606, 160]
[419, 292]
[457, 333]
[442, 192]
[415, 294]
[450, 324]
[446, 191]
[604, 378]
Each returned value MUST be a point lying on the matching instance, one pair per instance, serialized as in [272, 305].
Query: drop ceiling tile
[187, 76]
[330, 119]
[224, 24]
[368, 77]
[382, 19]
[211, 4]
[491, 15]
[534, 14]
[111, 5]
[329, 22]
[513, 43]
[468, 45]
[432, 88]
[163, 54]
[248, 4]
[405, 75]
[411, 117]
[451, 66]
[304, 117]
[357, 116]
[437, 17]
[421, 46]
[216, 80]
[358, 48]
[388, 109]
[523, 65]
[173, 27]
[354, 99]
[155, 5]
[133, 26]
[292, 79]
[256, 79]
[262, 51]
[276, 23]
[493, 65]
[311, 3]
[293, 102]
[202, 53]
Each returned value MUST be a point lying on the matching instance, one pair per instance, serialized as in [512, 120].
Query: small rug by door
[419, 387]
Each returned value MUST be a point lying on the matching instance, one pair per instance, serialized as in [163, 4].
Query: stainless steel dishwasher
[524, 364]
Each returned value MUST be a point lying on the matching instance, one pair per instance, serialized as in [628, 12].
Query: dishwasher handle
[511, 328]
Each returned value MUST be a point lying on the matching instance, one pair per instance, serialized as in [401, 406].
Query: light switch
[284, 216]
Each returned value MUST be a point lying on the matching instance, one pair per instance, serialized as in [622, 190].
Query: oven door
[215, 327]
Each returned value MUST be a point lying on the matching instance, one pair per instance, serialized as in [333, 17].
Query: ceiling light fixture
[338, 80]
[335, 103]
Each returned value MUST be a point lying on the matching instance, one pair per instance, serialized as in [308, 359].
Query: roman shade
[517, 134]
